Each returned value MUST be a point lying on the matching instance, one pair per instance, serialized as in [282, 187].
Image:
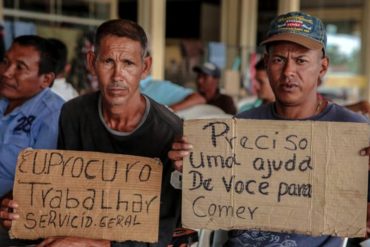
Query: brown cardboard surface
[232, 82]
[88, 194]
[291, 176]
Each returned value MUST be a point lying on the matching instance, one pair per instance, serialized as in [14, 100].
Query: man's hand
[73, 242]
[6, 214]
[180, 149]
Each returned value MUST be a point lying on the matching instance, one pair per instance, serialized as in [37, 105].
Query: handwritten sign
[286, 176]
[87, 194]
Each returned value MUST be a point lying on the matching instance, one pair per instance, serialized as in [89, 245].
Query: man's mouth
[288, 86]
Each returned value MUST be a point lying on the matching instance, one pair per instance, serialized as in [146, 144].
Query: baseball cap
[208, 69]
[297, 27]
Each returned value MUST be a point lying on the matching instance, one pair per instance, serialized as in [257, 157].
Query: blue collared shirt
[164, 92]
[33, 124]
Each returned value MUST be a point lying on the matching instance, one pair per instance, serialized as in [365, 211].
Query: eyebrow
[295, 56]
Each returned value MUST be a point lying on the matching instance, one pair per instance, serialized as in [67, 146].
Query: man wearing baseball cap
[208, 86]
[296, 61]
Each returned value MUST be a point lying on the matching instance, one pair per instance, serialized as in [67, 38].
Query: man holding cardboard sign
[119, 119]
[29, 110]
[296, 61]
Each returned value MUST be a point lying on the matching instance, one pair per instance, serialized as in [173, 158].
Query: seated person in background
[262, 88]
[208, 85]
[60, 86]
[170, 94]
[29, 110]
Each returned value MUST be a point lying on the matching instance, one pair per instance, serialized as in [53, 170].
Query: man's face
[19, 74]
[207, 85]
[294, 72]
[263, 87]
[119, 67]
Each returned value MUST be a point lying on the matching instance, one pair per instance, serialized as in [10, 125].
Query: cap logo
[295, 25]
[303, 27]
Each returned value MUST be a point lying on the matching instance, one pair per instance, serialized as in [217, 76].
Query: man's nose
[289, 68]
[7, 71]
[117, 72]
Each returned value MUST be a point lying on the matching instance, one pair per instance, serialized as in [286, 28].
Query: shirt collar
[26, 107]
[59, 80]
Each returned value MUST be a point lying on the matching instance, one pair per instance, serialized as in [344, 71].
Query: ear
[90, 62]
[47, 79]
[147, 66]
[324, 66]
[67, 69]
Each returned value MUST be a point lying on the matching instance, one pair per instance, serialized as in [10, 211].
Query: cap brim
[202, 70]
[295, 38]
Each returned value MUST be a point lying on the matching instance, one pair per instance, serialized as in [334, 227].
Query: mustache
[117, 85]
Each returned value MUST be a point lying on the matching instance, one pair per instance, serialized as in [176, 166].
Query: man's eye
[20, 67]
[301, 61]
[277, 60]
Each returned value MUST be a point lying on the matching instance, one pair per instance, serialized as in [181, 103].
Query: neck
[300, 111]
[124, 118]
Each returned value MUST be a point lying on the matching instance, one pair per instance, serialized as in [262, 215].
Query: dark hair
[61, 54]
[47, 62]
[260, 65]
[122, 28]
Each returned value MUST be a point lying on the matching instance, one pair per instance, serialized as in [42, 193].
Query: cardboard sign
[232, 82]
[87, 194]
[285, 176]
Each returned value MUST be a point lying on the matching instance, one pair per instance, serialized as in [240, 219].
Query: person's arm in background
[191, 100]
[168, 93]
[360, 107]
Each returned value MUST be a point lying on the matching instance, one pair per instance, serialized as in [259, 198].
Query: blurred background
[184, 33]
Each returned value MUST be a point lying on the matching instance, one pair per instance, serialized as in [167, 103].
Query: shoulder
[81, 104]
[339, 113]
[165, 115]
[50, 101]
[83, 100]
[44, 109]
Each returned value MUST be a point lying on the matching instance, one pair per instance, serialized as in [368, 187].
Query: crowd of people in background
[126, 111]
